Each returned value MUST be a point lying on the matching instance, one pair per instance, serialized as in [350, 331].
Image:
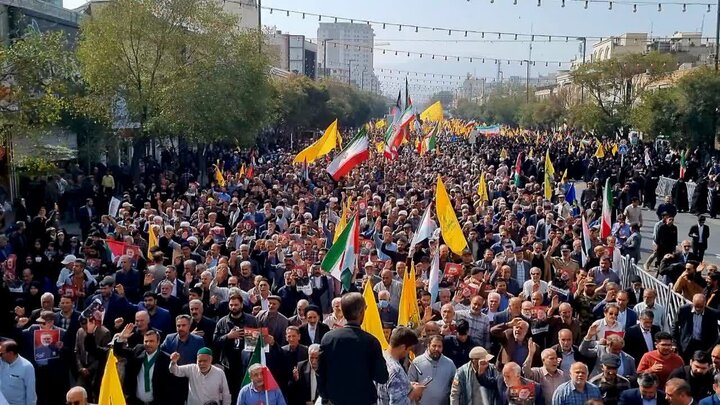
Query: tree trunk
[139, 146]
[202, 163]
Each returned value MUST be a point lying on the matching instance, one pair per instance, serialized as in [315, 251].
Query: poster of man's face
[46, 344]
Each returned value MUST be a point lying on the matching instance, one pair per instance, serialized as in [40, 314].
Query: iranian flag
[394, 133]
[606, 222]
[356, 152]
[429, 141]
[258, 357]
[683, 163]
[425, 230]
[518, 169]
[341, 257]
[587, 243]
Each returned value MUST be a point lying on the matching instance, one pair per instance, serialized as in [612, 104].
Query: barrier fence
[665, 185]
[666, 297]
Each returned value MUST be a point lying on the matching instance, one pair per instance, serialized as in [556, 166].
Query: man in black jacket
[667, 237]
[639, 338]
[351, 345]
[303, 386]
[698, 374]
[149, 365]
[687, 337]
[229, 342]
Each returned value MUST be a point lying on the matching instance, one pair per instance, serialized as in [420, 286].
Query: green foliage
[469, 110]
[615, 85]
[42, 162]
[659, 113]
[38, 76]
[302, 103]
[445, 97]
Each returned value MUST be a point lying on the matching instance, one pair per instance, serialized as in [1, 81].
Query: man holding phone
[435, 372]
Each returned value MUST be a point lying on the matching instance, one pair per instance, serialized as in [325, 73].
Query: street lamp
[325, 41]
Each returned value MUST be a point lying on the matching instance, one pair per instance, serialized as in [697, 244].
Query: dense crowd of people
[190, 276]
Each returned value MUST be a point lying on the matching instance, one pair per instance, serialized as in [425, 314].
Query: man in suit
[520, 268]
[699, 234]
[201, 325]
[115, 303]
[569, 353]
[314, 330]
[647, 392]
[635, 292]
[147, 374]
[666, 238]
[290, 355]
[614, 345]
[303, 386]
[355, 347]
[87, 215]
[639, 338]
[696, 327]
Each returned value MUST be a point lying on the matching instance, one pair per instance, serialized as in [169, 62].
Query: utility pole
[325, 71]
[527, 81]
[584, 47]
[260, 35]
[717, 36]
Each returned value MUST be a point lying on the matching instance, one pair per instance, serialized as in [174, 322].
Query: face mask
[383, 304]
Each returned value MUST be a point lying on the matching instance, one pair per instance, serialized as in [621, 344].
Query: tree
[39, 83]
[659, 113]
[701, 106]
[177, 65]
[469, 110]
[445, 97]
[617, 83]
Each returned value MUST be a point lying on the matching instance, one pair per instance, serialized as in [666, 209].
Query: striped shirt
[479, 326]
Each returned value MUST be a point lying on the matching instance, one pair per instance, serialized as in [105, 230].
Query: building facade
[294, 53]
[345, 53]
[245, 10]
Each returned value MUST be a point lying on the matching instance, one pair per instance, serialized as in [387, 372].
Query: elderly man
[76, 396]
[614, 344]
[549, 376]
[648, 303]
[516, 343]
[336, 319]
[388, 313]
[610, 383]
[303, 387]
[476, 382]
[515, 390]
[256, 392]
[578, 390]
[391, 285]
[206, 382]
[678, 392]
[479, 322]
[433, 363]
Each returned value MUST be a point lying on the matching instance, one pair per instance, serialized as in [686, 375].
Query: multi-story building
[294, 53]
[620, 45]
[686, 47]
[345, 53]
[245, 10]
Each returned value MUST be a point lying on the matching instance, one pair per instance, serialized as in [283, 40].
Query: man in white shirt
[206, 382]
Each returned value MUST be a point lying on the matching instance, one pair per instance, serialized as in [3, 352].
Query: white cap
[69, 259]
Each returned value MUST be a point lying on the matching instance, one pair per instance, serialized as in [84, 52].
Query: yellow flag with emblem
[449, 226]
[549, 172]
[408, 312]
[482, 188]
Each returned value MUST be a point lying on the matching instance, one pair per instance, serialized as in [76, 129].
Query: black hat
[107, 282]
[635, 279]
[610, 360]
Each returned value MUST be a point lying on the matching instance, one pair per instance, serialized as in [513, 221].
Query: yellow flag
[408, 312]
[329, 141]
[152, 240]
[614, 149]
[241, 173]
[380, 147]
[549, 172]
[372, 323]
[530, 154]
[503, 154]
[433, 113]
[380, 124]
[564, 176]
[219, 179]
[600, 152]
[450, 228]
[111, 392]
[482, 188]
[342, 223]
[571, 149]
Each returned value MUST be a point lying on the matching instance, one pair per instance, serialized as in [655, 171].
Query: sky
[490, 15]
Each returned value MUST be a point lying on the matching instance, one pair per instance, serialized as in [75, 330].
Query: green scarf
[148, 364]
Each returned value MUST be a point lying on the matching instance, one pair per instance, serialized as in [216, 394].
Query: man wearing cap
[476, 382]
[206, 382]
[272, 319]
[50, 370]
[610, 383]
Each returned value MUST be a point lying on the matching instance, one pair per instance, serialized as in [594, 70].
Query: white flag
[425, 230]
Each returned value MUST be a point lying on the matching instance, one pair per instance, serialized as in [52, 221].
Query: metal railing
[666, 297]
